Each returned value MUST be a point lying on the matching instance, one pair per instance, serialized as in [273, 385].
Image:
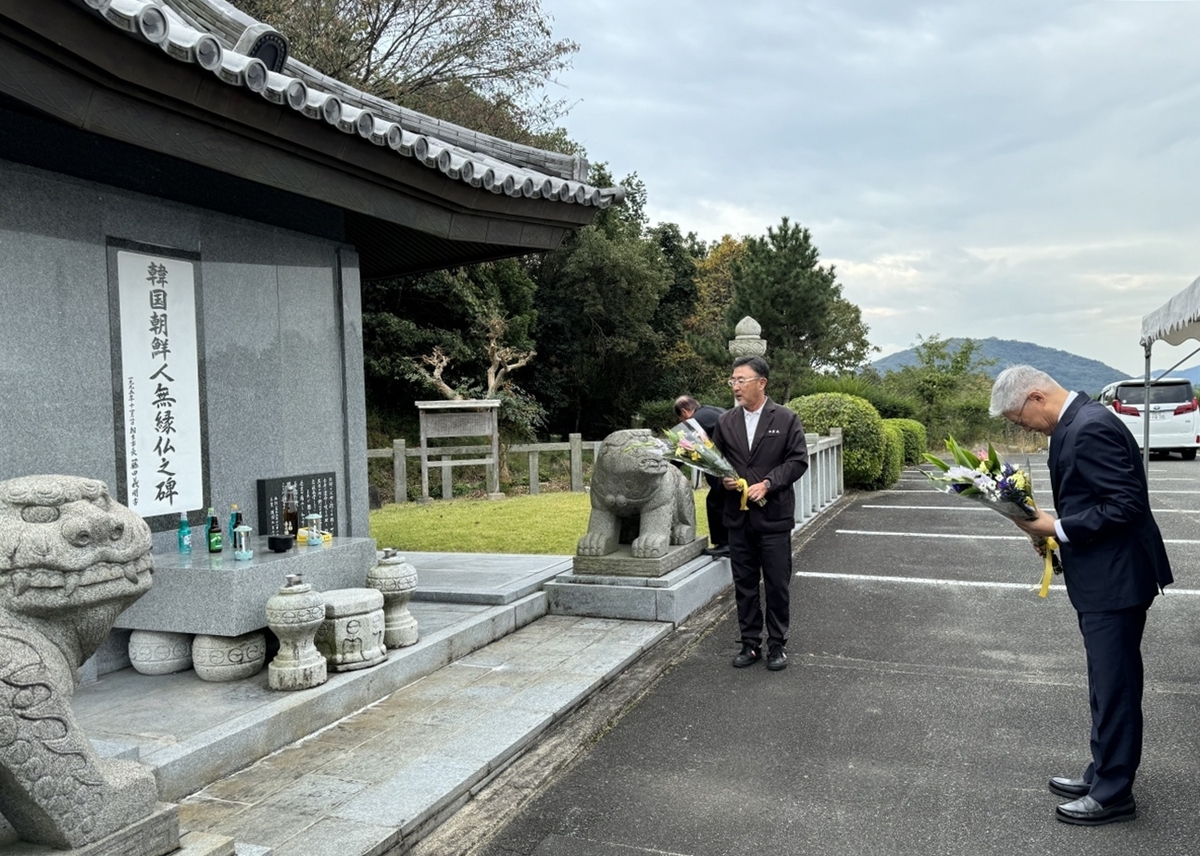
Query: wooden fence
[445, 461]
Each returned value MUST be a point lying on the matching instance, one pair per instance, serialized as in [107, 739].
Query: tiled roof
[219, 38]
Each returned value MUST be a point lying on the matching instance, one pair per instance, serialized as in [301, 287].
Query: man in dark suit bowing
[765, 444]
[1114, 564]
[705, 416]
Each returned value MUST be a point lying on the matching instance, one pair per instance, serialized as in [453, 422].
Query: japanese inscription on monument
[163, 464]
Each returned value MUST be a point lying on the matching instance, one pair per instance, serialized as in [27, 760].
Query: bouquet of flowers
[692, 447]
[999, 485]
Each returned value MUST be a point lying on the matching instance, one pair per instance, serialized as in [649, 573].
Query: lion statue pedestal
[643, 520]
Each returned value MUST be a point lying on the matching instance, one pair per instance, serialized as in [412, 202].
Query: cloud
[1025, 170]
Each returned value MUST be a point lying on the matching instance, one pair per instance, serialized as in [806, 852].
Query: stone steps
[383, 777]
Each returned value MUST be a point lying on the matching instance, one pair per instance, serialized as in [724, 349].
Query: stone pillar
[294, 615]
[396, 579]
[747, 340]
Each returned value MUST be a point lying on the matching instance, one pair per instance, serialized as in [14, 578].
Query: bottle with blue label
[185, 533]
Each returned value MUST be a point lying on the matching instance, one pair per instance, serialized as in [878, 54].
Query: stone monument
[71, 558]
[642, 507]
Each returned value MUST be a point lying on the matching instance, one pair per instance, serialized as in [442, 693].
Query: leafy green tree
[600, 303]
[950, 387]
[458, 333]
[807, 323]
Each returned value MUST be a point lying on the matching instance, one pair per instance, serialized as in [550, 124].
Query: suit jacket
[780, 454]
[706, 417]
[1114, 558]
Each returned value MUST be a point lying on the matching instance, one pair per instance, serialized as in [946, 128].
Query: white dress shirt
[1058, 530]
[752, 422]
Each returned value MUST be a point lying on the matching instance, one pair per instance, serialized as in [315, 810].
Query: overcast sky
[1024, 170]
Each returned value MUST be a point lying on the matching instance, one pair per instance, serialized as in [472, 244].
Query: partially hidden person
[704, 417]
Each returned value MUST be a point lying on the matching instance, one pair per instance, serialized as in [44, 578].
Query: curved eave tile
[162, 27]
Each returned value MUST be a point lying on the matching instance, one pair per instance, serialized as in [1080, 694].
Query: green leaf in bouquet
[962, 457]
[936, 461]
[994, 463]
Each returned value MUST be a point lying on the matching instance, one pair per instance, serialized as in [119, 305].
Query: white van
[1174, 413]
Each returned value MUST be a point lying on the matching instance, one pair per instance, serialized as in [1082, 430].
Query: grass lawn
[546, 523]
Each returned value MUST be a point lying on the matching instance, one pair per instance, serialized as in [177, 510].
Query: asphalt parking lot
[931, 693]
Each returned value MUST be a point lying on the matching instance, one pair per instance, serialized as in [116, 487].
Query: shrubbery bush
[887, 403]
[893, 456]
[862, 432]
[916, 441]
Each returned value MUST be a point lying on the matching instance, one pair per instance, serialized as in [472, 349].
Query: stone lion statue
[71, 559]
[638, 498]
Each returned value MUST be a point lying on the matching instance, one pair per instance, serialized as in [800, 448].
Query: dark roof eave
[77, 69]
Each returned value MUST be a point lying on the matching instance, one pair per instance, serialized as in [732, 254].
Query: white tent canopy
[1175, 321]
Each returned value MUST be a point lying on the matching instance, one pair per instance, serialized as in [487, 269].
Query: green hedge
[916, 441]
[863, 439]
[893, 457]
[888, 404]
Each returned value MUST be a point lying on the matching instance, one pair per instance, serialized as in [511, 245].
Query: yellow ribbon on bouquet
[1051, 546]
[744, 487]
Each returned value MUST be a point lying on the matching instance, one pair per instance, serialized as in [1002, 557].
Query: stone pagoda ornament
[747, 339]
[396, 579]
[295, 615]
[71, 559]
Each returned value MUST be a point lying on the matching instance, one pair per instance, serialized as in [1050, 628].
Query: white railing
[823, 484]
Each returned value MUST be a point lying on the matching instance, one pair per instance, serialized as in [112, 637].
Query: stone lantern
[747, 339]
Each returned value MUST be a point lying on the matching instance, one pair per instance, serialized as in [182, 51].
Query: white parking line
[983, 508]
[927, 581]
[961, 507]
[971, 537]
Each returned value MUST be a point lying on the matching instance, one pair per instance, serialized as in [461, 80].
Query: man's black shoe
[1085, 811]
[1066, 787]
[776, 658]
[749, 656]
[718, 551]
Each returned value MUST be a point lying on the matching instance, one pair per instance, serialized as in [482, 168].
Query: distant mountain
[1072, 371]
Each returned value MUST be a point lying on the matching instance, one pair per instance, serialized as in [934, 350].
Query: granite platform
[379, 756]
[482, 578]
[212, 593]
[672, 597]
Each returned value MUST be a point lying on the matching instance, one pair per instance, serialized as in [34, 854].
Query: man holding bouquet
[765, 443]
[705, 416]
[1114, 564]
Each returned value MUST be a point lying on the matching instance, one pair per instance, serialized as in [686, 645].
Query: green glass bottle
[215, 541]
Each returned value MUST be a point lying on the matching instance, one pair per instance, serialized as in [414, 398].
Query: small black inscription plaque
[316, 492]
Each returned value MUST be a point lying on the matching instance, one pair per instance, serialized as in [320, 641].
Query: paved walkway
[930, 695]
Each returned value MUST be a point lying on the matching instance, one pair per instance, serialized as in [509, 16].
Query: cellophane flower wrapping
[988, 479]
[691, 446]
